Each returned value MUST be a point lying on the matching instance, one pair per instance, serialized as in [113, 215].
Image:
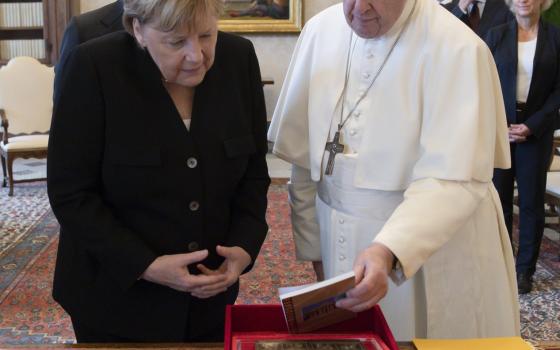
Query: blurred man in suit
[92, 24]
[480, 15]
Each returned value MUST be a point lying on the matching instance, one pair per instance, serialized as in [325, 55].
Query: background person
[527, 53]
[145, 198]
[480, 15]
[89, 25]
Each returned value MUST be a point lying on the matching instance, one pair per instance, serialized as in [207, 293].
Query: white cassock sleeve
[302, 192]
[461, 141]
[431, 213]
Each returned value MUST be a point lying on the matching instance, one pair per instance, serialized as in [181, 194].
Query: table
[545, 345]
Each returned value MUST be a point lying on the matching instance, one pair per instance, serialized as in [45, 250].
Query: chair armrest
[4, 125]
[556, 145]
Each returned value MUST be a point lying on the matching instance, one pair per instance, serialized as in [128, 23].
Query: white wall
[273, 50]
[88, 5]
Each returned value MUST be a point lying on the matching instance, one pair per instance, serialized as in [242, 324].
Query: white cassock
[416, 172]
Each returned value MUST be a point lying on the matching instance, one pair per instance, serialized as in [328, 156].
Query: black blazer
[495, 13]
[543, 100]
[87, 26]
[124, 175]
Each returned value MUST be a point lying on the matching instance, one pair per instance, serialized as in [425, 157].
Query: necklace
[334, 147]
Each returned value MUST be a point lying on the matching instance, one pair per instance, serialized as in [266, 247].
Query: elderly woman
[157, 175]
[527, 54]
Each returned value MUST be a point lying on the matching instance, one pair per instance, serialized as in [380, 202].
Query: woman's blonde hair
[545, 6]
[167, 15]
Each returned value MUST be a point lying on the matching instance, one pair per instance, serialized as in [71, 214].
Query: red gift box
[267, 321]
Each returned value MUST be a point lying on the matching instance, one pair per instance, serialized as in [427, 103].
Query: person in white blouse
[392, 166]
[527, 54]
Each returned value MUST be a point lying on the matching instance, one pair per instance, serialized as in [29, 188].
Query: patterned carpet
[28, 240]
[540, 316]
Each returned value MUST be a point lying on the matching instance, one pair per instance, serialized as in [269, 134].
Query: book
[311, 307]
[511, 343]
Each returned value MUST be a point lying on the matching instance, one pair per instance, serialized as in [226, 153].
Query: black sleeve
[75, 185]
[249, 227]
[545, 118]
[70, 40]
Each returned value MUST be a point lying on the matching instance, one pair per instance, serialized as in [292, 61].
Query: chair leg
[10, 165]
[4, 178]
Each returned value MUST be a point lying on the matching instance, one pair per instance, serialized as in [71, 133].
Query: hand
[518, 133]
[372, 268]
[464, 5]
[171, 271]
[236, 260]
[319, 272]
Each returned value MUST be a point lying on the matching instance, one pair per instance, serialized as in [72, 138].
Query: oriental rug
[28, 242]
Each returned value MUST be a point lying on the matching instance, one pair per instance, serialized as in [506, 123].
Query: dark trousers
[87, 334]
[529, 166]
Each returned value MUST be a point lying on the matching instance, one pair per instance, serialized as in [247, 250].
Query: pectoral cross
[334, 147]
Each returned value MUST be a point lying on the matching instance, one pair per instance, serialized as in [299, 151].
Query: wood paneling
[56, 15]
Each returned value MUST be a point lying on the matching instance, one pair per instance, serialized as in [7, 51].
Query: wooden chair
[26, 90]
[552, 194]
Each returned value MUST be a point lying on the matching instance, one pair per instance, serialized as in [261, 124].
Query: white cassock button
[369, 54]
[357, 114]
[341, 240]
[353, 132]
[342, 257]
[366, 75]
[341, 221]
